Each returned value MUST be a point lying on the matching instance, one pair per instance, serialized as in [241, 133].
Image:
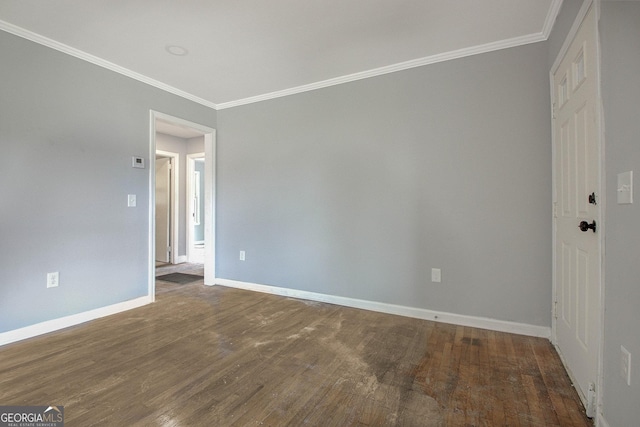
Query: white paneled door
[577, 211]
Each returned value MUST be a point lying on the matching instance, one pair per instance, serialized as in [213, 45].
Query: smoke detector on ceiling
[176, 50]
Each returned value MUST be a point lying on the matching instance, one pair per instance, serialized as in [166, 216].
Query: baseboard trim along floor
[419, 313]
[72, 320]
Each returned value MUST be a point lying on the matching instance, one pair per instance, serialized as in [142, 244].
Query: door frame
[209, 197]
[190, 169]
[582, 14]
[174, 194]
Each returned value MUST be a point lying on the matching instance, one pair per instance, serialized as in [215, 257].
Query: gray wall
[358, 190]
[68, 130]
[620, 38]
[195, 145]
[355, 190]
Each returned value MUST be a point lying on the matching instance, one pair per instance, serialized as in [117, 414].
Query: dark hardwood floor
[216, 356]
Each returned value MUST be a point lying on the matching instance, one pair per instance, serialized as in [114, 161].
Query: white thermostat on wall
[137, 162]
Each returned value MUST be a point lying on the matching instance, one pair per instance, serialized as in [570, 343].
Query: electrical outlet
[242, 256]
[53, 279]
[436, 275]
[625, 364]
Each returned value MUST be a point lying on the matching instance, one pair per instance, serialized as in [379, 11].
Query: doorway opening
[179, 142]
[196, 219]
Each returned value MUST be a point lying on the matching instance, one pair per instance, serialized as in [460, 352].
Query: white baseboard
[181, 258]
[67, 321]
[420, 313]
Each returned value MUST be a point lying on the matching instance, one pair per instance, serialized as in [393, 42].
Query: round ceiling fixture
[176, 50]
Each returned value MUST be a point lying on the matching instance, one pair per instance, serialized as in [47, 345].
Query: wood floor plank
[207, 356]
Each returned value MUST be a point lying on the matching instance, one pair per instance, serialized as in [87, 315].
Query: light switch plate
[137, 162]
[625, 188]
[131, 200]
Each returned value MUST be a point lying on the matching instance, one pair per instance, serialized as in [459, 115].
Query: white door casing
[577, 175]
[163, 209]
[209, 195]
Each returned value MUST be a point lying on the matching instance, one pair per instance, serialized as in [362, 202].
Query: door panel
[584, 175]
[582, 322]
[567, 194]
[566, 299]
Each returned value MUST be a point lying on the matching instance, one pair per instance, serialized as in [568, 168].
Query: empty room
[325, 212]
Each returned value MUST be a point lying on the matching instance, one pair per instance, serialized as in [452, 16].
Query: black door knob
[585, 226]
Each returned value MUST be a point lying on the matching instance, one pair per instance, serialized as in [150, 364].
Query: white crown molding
[441, 57]
[61, 47]
[72, 320]
[419, 313]
[433, 59]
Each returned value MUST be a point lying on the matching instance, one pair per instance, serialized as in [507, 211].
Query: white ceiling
[241, 51]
